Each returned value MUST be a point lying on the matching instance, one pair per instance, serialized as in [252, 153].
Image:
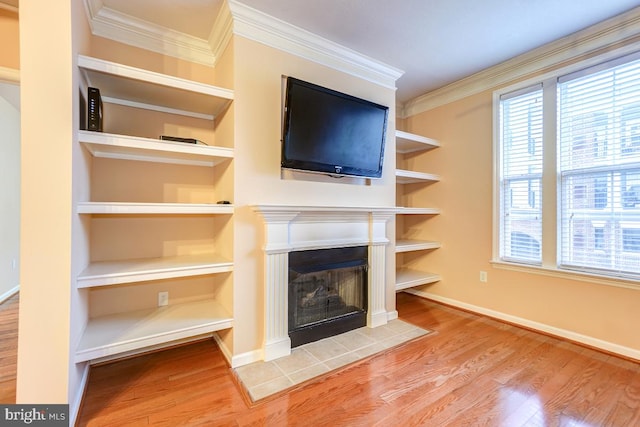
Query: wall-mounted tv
[330, 132]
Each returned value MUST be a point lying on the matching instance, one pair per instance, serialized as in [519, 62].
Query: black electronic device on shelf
[94, 110]
[180, 139]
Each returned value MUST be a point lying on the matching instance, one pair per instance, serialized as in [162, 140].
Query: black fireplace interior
[327, 292]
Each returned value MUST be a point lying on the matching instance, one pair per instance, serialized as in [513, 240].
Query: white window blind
[599, 167]
[521, 175]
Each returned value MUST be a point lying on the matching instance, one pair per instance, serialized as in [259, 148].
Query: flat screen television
[330, 132]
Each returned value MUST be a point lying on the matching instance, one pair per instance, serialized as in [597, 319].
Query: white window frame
[550, 179]
[502, 180]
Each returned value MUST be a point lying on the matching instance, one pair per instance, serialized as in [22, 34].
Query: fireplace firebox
[327, 292]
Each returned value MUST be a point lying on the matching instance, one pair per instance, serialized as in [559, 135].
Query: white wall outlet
[483, 276]
[14, 264]
[163, 299]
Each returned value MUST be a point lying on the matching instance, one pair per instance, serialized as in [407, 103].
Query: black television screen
[330, 132]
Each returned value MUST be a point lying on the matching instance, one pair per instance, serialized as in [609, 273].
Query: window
[601, 108]
[521, 174]
[593, 168]
[631, 239]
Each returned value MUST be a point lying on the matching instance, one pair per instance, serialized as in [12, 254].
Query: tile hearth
[263, 379]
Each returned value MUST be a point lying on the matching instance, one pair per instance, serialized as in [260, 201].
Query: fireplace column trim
[276, 328]
[376, 310]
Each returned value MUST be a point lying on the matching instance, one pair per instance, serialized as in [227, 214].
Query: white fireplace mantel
[295, 228]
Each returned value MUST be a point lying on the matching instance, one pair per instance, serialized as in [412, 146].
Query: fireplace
[291, 230]
[327, 293]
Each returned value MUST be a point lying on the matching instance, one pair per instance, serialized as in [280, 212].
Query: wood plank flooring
[8, 348]
[473, 371]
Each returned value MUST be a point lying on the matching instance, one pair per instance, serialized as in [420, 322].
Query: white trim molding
[537, 326]
[222, 31]
[236, 19]
[245, 358]
[75, 405]
[9, 75]
[123, 28]
[258, 26]
[622, 32]
[11, 292]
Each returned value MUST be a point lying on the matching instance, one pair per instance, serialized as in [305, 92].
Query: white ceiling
[435, 42]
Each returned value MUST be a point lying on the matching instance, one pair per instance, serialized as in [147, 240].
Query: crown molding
[9, 75]
[623, 30]
[239, 19]
[222, 31]
[123, 28]
[260, 27]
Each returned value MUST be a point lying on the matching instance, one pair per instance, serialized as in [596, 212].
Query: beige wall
[465, 162]
[9, 34]
[135, 57]
[45, 274]
[257, 83]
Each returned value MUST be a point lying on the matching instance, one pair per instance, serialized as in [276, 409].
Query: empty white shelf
[126, 147]
[408, 142]
[105, 273]
[415, 245]
[133, 208]
[140, 88]
[410, 177]
[407, 278]
[417, 211]
[123, 332]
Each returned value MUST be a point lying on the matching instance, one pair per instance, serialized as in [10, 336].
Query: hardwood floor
[8, 348]
[473, 371]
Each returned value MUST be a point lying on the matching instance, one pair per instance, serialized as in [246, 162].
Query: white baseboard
[392, 315]
[11, 292]
[240, 359]
[377, 319]
[223, 348]
[74, 407]
[246, 358]
[537, 326]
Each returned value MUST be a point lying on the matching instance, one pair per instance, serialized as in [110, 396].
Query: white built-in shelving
[415, 245]
[412, 177]
[127, 147]
[134, 208]
[105, 273]
[407, 278]
[126, 331]
[408, 142]
[117, 334]
[403, 210]
[135, 87]
[412, 144]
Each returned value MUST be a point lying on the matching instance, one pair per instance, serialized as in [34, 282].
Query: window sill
[568, 274]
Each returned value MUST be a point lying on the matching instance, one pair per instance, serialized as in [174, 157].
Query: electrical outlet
[483, 276]
[14, 264]
[163, 299]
